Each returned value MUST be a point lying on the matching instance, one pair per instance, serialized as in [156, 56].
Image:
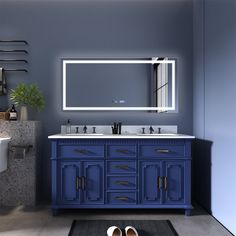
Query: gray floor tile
[38, 221]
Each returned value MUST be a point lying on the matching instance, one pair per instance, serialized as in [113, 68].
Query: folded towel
[3, 82]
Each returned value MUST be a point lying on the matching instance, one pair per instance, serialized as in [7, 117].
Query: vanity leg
[55, 212]
[188, 212]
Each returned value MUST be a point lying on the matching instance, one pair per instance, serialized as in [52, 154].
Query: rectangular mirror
[117, 84]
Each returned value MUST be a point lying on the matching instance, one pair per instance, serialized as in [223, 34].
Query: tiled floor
[38, 221]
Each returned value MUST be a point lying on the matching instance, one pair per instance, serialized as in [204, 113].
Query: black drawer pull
[78, 182]
[82, 151]
[122, 183]
[165, 183]
[159, 182]
[162, 150]
[122, 198]
[122, 167]
[83, 183]
[123, 151]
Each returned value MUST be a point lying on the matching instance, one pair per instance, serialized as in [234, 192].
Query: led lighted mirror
[111, 84]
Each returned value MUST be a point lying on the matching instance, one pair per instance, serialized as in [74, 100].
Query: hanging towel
[3, 82]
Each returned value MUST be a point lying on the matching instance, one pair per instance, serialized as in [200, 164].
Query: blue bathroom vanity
[121, 171]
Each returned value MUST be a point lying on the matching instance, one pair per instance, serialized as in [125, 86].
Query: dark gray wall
[80, 29]
[215, 102]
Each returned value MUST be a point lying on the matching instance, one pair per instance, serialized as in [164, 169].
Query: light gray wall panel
[215, 84]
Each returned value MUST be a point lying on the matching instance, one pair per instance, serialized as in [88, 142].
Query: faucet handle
[143, 130]
[94, 130]
[159, 130]
[119, 127]
[77, 129]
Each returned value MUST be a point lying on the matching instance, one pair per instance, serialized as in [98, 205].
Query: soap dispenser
[68, 127]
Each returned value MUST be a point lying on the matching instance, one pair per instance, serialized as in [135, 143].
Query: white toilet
[3, 153]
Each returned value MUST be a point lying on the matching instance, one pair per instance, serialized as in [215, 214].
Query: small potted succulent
[25, 95]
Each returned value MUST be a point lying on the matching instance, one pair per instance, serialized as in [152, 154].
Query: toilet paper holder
[20, 151]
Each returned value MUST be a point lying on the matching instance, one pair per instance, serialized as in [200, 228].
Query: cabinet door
[69, 182]
[174, 175]
[92, 182]
[150, 184]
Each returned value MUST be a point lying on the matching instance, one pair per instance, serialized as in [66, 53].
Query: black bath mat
[144, 227]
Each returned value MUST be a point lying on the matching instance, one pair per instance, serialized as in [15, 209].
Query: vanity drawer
[162, 151]
[121, 182]
[121, 167]
[122, 198]
[67, 151]
[121, 151]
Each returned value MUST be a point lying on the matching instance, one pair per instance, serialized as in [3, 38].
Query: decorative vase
[23, 113]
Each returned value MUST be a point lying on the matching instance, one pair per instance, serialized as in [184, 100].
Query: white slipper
[130, 231]
[114, 231]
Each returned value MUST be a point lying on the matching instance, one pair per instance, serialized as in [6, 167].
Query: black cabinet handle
[83, 182]
[123, 167]
[82, 151]
[159, 182]
[122, 198]
[123, 151]
[162, 150]
[122, 183]
[165, 183]
[78, 182]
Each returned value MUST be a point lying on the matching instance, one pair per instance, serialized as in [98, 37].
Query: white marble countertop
[121, 136]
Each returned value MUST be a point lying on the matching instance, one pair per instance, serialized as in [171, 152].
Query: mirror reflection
[140, 84]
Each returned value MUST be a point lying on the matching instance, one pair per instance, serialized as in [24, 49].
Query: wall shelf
[14, 41]
[11, 52]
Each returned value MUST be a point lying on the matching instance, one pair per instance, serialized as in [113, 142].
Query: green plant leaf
[29, 95]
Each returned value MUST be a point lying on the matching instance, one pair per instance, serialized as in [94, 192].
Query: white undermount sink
[162, 134]
[82, 134]
[3, 153]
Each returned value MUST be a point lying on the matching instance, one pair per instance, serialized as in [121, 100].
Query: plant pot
[23, 113]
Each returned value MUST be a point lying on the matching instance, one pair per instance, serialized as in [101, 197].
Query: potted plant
[27, 95]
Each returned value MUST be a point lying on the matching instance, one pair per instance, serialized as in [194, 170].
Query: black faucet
[119, 127]
[151, 130]
[116, 128]
[85, 129]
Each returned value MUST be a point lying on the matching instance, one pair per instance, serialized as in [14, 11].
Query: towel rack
[13, 60]
[11, 51]
[14, 41]
[20, 151]
[14, 51]
[21, 70]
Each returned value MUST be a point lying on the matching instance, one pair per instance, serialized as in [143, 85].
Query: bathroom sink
[82, 134]
[163, 134]
[3, 153]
